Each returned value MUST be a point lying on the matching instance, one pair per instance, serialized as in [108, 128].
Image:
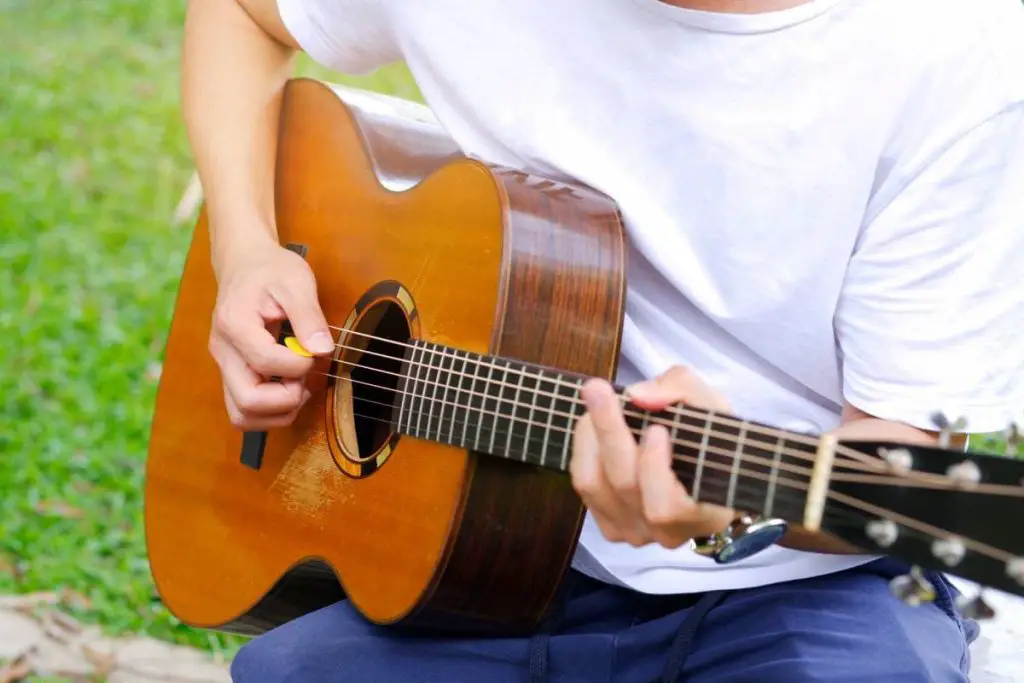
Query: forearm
[232, 77]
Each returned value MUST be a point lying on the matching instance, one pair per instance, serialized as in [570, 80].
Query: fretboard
[519, 411]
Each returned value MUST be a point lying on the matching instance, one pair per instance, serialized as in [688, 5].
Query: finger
[244, 329]
[671, 515]
[678, 384]
[258, 422]
[588, 477]
[298, 297]
[251, 394]
[616, 446]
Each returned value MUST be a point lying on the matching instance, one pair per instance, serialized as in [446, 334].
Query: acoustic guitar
[426, 479]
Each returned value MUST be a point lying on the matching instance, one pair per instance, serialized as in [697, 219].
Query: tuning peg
[975, 607]
[913, 589]
[1014, 437]
[965, 474]
[884, 532]
[947, 427]
[1015, 569]
[899, 459]
[949, 550]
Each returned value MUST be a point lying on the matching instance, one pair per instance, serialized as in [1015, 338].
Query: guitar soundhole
[367, 369]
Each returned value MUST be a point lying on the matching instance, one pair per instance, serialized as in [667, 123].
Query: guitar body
[407, 238]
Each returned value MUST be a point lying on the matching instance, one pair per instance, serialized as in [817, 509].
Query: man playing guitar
[823, 206]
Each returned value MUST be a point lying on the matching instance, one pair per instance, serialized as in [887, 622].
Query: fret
[513, 410]
[419, 398]
[734, 474]
[708, 441]
[769, 499]
[483, 403]
[531, 383]
[406, 389]
[719, 458]
[545, 401]
[454, 383]
[472, 395]
[701, 453]
[500, 387]
[434, 380]
[569, 395]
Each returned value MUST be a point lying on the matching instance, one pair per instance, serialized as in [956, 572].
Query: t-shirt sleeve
[349, 36]
[931, 316]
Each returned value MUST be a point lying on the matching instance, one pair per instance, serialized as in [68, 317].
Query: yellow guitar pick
[293, 344]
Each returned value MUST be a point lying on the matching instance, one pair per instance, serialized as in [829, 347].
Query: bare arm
[236, 59]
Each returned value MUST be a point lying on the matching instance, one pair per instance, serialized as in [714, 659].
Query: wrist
[238, 239]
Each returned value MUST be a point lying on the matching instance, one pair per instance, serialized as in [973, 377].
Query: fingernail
[641, 389]
[321, 342]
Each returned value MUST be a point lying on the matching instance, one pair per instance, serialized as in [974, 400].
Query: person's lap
[842, 628]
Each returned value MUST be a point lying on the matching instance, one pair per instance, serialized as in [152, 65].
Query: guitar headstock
[942, 508]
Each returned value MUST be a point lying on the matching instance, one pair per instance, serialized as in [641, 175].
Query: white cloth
[824, 203]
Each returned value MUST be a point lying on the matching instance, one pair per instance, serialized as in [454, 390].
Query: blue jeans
[841, 628]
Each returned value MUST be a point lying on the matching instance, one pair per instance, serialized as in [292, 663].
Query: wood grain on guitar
[426, 478]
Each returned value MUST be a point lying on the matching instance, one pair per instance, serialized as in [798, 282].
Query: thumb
[302, 309]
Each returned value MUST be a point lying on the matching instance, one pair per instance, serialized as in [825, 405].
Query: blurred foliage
[94, 161]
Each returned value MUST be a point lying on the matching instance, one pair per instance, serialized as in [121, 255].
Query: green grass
[94, 161]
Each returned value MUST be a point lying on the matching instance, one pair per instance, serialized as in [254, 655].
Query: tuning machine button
[884, 532]
[913, 589]
[746, 536]
[965, 474]
[950, 550]
[975, 607]
[1014, 438]
[1015, 570]
[899, 459]
[947, 427]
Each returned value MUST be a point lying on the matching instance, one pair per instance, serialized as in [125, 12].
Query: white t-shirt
[824, 203]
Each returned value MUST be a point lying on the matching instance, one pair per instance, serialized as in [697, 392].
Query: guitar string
[926, 479]
[870, 464]
[534, 440]
[489, 362]
[934, 482]
[682, 410]
[679, 428]
[856, 514]
[924, 527]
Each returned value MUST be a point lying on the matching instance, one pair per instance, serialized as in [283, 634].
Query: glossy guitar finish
[497, 262]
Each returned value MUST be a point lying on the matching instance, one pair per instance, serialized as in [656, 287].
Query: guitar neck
[523, 412]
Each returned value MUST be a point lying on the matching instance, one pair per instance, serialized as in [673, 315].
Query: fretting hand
[630, 488]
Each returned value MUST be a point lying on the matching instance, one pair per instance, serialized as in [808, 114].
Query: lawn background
[94, 160]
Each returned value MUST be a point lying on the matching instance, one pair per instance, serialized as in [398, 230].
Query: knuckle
[668, 539]
[247, 402]
[261, 360]
[237, 419]
[662, 517]
[624, 483]
[621, 473]
[636, 540]
[222, 318]
[586, 484]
